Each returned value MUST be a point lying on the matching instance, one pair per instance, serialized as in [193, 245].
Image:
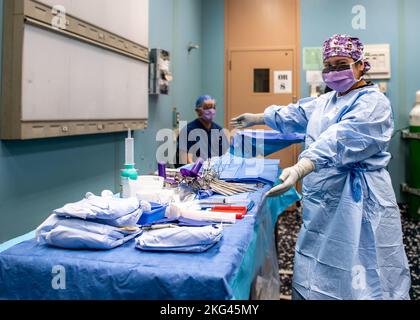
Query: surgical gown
[350, 245]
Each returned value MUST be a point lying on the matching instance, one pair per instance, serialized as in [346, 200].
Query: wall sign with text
[283, 83]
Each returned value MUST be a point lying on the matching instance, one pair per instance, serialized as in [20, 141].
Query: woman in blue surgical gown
[350, 245]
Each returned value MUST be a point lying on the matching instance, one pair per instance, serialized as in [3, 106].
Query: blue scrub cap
[201, 100]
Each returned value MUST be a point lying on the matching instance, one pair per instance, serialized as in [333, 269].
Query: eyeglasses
[209, 106]
[340, 67]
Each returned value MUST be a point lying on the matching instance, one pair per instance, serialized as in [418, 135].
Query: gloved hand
[247, 120]
[291, 176]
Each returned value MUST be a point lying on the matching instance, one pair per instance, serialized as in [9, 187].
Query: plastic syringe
[129, 171]
[129, 150]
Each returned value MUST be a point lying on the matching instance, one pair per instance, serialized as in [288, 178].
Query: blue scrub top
[221, 147]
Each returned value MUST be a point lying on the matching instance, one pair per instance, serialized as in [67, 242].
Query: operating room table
[243, 265]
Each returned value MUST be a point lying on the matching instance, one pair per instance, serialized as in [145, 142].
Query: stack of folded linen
[180, 239]
[93, 223]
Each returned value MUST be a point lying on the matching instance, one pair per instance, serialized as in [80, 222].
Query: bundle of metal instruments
[209, 179]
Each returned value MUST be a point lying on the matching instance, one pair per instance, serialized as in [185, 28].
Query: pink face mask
[209, 115]
[341, 81]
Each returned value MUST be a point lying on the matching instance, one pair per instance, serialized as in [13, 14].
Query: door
[258, 79]
[262, 37]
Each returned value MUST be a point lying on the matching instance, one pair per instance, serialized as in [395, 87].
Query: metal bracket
[407, 189]
[41, 15]
[410, 135]
[49, 129]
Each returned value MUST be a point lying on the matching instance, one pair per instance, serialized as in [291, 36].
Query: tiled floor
[289, 227]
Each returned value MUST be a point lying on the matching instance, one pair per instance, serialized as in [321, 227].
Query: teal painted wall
[39, 176]
[410, 26]
[161, 35]
[187, 66]
[213, 53]
[388, 21]
[179, 23]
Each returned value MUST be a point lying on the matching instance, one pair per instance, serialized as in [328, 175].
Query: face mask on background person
[209, 114]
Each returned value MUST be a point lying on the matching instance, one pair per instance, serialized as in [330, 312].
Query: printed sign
[283, 83]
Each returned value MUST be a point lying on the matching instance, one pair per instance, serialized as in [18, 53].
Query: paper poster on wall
[312, 58]
[283, 83]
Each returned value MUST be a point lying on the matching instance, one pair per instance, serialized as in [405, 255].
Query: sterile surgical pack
[180, 239]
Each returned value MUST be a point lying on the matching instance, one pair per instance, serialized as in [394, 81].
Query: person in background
[350, 246]
[202, 138]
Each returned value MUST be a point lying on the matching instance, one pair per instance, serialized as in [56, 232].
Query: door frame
[296, 48]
